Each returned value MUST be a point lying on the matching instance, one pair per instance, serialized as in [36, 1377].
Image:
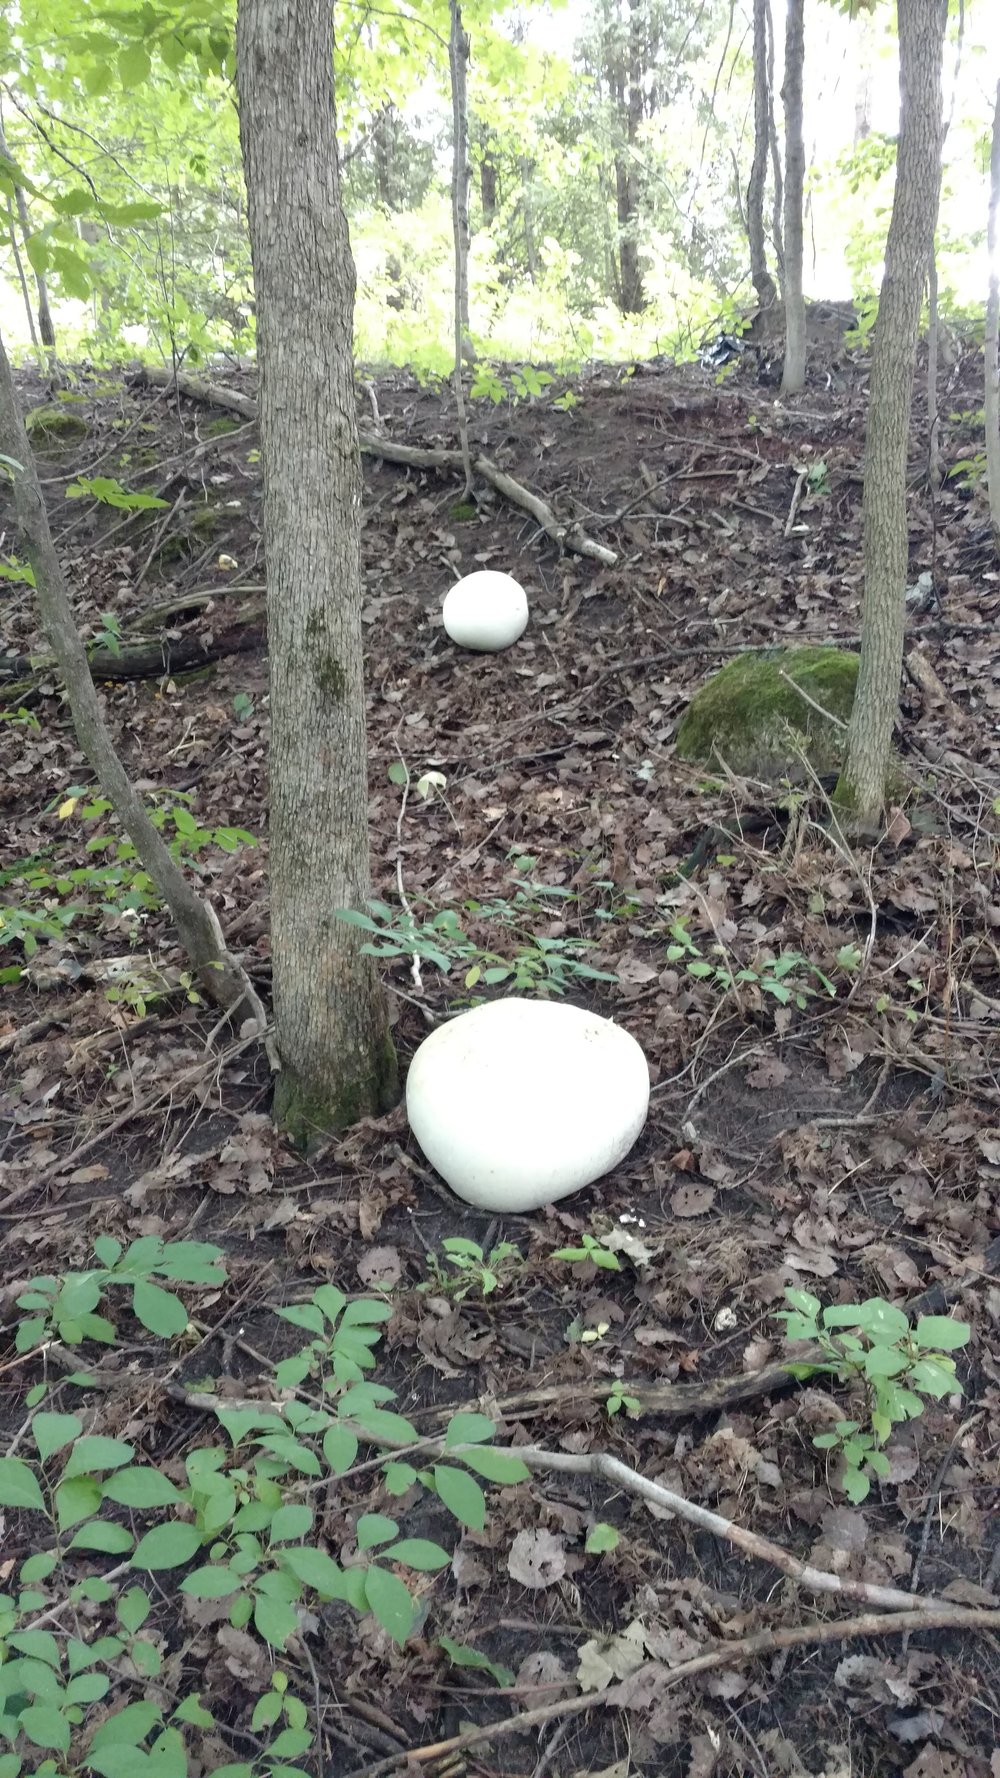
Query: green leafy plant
[110, 492]
[107, 635]
[539, 965]
[619, 1400]
[786, 978]
[872, 1345]
[472, 1269]
[591, 1249]
[65, 1308]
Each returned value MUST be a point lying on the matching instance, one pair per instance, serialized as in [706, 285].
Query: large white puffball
[486, 611]
[523, 1101]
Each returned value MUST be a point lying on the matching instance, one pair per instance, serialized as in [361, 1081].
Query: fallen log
[568, 536]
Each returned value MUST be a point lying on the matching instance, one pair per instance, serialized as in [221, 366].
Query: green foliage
[471, 1268]
[51, 899]
[786, 978]
[590, 1249]
[237, 1525]
[65, 1308]
[110, 492]
[873, 1346]
[539, 965]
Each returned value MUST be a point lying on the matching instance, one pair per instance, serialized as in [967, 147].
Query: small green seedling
[872, 1344]
[591, 1249]
[472, 1268]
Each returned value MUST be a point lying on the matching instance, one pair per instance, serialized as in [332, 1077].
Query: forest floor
[848, 1145]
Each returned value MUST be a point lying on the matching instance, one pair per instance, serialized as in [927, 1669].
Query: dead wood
[568, 536]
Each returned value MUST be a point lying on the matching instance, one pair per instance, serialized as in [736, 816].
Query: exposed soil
[849, 1145]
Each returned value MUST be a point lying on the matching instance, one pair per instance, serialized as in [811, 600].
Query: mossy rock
[54, 424]
[750, 718]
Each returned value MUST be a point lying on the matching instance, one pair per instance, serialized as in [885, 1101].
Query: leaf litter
[851, 1144]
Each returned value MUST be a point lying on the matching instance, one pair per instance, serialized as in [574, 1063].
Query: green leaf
[468, 1429]
[87, 1688]
[340, 1448]
[373, 1529]
[289, 1743]
[290, 1523]
[419, 1553]
[267, 1711]
[108, 1250]
[133, 1609]
[315, 1569]
[38, 1567]
[378, 1423]
[51, 1431]
[941, 1333]
[141, 1487]
[133, 65]
[100, 1534]
[389, 1602]
[239, 1421]
[211, 1582]
[18, 1485]
[398, 1477]
[40, 1645]
[305, 1315]
[167, 1546]
[192, 1710]
[497, 1466]
[460, 1656]
[168, 1755]
[398, 772]
[600, 1539]
[91, 1454]
[120, 1761]
[45, 1726]
[76, 1500]
[163, 1313]
[461, 1495]
[274, 1619]
[127, 1727]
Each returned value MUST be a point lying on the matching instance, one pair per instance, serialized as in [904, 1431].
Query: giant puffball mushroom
[520, 1102]
[486, 611]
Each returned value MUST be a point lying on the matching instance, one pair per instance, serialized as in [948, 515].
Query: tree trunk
[861, 789]
[197, 926]
[458, 56]
[778, 203]
[488, 196]
[337, 1059]
[794, 372]
[992, 355]
[934, 471]
[763, 282]
[526, 168]
[46, 330]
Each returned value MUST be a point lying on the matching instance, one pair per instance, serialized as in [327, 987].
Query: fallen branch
[569, 536]
[762, 1642]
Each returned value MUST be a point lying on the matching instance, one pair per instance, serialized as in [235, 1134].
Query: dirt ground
[849, 1145]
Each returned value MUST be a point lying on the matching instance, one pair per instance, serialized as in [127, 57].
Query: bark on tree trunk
[991, 353]
[198, 928]
[794, 372]
[861, 790]
[763, 282]
[337, 1059]
[488, 195]
[458, 55]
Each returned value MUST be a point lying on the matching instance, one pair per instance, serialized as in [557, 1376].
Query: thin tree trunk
[763, 282]
[778, 206]
[23, 281]
[794, 372]
[218, 973]
[921, 23]
[337, 1059]
[458, 55]
[488, 197]
[46, 330]
[934, 471]
[527, 171]
[991, 353]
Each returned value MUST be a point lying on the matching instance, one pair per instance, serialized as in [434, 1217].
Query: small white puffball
[486, 611]
[520, 1102]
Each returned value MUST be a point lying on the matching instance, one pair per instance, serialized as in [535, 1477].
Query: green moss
[205, 518]
[749, 717]
[330, 677]
[464, 513]
[53, 424]
[308, 1115]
